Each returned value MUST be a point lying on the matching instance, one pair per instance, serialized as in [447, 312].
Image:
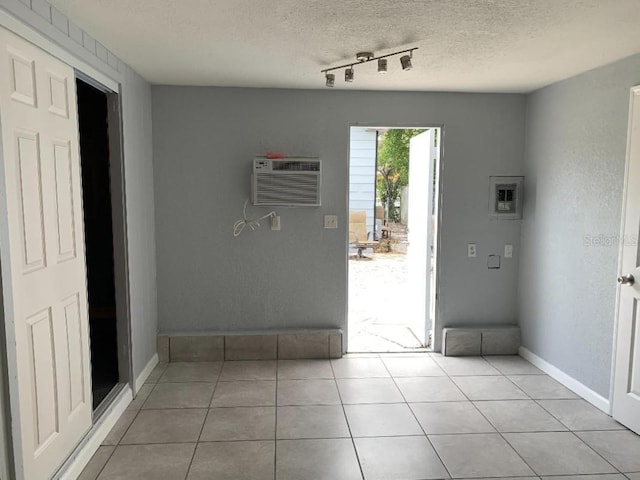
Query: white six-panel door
[43, 216]
[626, 384]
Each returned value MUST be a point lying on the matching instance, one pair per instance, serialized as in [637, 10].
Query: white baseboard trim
[146, 371]
[568, 381]
[84, 452]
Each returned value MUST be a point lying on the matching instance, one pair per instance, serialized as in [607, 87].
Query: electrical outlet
[275, 222]
[471, 250]
[508, 251]
[331, 221]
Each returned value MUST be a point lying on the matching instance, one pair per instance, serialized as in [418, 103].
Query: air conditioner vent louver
[287, 182]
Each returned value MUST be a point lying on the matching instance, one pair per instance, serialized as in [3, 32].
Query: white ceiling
[464, 45]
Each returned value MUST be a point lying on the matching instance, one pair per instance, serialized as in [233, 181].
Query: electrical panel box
[287, 182]
[505, 197]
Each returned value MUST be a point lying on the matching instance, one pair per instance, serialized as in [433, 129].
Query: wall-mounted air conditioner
[291, 182]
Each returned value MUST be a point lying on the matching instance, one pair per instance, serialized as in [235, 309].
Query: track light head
[331, 79]
[348, 74]
[405, 61]
[382, 65]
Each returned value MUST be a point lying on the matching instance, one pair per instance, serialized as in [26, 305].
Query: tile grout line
[217, 381]
[136, 414]
[596, 452]
[195, 448]
[118, 443]
[346, 419]
[569, 430]
[393, 379]
[275, 429]
[105, 463]
[537, 401]
[564, 431]
[491, 423]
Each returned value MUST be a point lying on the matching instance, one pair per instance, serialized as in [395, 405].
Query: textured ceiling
[464, 45]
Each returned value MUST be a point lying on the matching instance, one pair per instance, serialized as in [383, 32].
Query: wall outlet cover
[331, 221]
[471, 250]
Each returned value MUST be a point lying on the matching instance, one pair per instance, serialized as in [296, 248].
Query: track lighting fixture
[331, 79]
[348, 74]
[405, 61]
[365, 57]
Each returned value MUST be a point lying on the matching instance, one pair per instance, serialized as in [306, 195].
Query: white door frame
[119, 226]
[113, 88]
[437, 340]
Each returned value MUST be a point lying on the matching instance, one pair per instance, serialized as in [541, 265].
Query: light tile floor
[372, 417]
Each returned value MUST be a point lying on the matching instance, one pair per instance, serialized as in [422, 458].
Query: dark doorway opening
[98, 232]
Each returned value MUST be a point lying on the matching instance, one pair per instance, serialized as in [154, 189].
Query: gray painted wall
[138, 154]
[138, 167]
[204, 141]
[574, 168]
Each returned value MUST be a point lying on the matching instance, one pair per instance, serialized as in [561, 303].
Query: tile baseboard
[487, 340]
[290, 345]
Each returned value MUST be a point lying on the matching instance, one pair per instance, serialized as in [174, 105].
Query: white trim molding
[146, 371]
[568, 381]
[31, 34]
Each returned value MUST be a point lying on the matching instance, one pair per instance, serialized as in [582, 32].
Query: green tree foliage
[393, 167]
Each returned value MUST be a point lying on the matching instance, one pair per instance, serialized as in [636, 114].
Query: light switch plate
[471, 250]
[275, 222]
[331, 221]
[508, 251]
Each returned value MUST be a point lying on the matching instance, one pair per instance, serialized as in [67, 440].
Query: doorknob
[626, 280]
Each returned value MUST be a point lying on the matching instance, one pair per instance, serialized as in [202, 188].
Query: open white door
[626, 386]
[419, 231]
[43, 260]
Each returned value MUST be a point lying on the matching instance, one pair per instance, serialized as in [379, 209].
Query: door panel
[30, 187]
[58, 99]
[64, 200]
[43, 365]
[626, 382]
[73, 330]
[51, 398]
[23, 79]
